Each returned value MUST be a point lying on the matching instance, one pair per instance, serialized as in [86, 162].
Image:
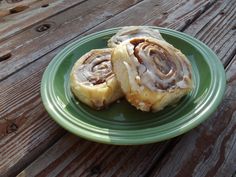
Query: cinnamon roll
[93, 81]
[152, 73]
[129, 32]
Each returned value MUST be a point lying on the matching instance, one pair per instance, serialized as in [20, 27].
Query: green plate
[121, 123]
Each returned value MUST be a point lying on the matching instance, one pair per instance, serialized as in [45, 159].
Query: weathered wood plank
[14, 91]
[28, 136]
[20, 84]
[69, 157]
[29, 109]
[225, 137]
[30, 45]
[33, 132]
[18, 89]
[19, 149]
[217, 28]
[208, 150]
[15, 17]
[72, 156]
[20, 98]
[172, 14]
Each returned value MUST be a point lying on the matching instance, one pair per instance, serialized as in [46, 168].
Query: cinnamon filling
[160, 69]
[96, 69]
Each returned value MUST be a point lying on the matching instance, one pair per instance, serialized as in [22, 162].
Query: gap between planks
[4, 73]
[158, 159]
[27, 21]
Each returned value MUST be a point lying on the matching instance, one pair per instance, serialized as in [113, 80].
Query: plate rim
[104, 136]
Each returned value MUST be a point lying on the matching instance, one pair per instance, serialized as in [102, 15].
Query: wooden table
[32, 32]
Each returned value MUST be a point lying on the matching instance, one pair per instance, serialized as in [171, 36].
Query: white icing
[95, 69]
[174, 75]
[130, 32]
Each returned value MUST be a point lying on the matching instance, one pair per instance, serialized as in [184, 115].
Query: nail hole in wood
[44, 5]
[95, 170]
[109, 16]
[43, 27]
[188, 22]
[5, 55]
[222, 12]
[165, 13]
[234, 27]
[12, 128]
[18, 9]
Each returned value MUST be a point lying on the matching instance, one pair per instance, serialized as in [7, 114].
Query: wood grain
[16, 17]
[20, 100]
[208, 150]
[72, 156]
[30, 45]
[68, 156]
[172, 14]
[21, 148]
[216, 27]
[25, 128]
[19, 88]
[17, 103]
[21, 110]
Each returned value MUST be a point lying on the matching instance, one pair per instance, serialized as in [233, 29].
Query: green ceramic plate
[121, 123]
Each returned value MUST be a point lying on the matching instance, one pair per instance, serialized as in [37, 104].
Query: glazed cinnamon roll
[93, 81]
[129, 32]
[152, 73]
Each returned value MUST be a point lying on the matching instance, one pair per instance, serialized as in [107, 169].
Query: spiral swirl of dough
[160, 66]
[93, 81]
[95, 68]
[152, 73]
